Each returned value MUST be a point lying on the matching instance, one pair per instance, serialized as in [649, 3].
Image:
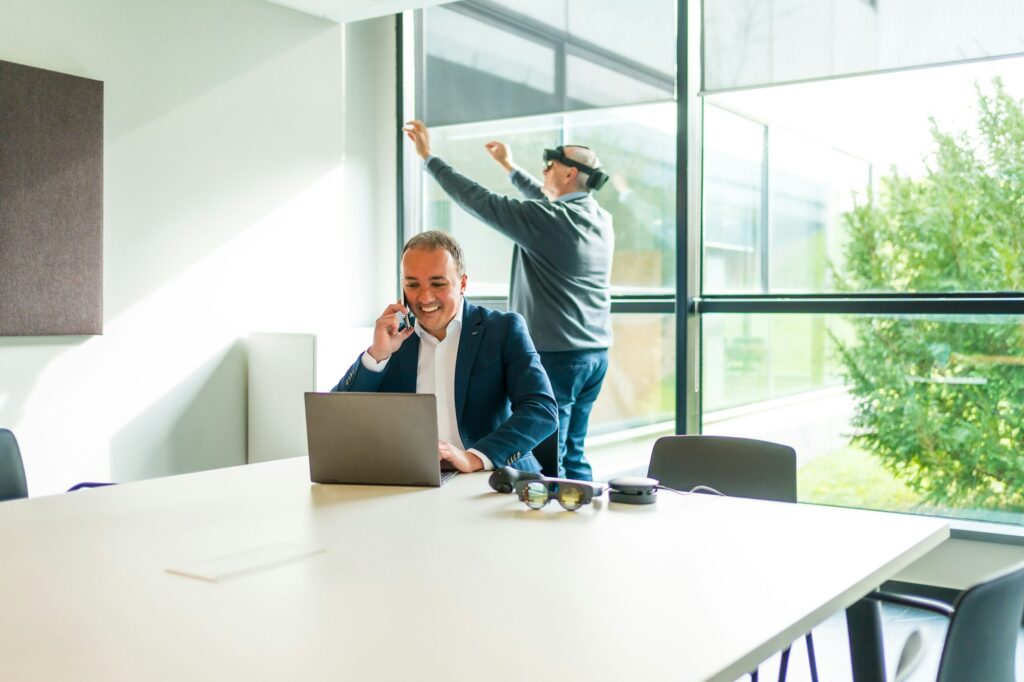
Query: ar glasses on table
[570, 494]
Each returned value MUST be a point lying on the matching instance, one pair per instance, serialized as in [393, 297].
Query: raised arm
[528, 223]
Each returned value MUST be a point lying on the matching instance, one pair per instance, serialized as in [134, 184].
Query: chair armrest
[933, 605]
[88, 484]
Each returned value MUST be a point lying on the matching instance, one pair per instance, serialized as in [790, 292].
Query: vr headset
[595, 176]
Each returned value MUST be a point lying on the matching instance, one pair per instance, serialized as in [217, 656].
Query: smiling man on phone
[494, 400]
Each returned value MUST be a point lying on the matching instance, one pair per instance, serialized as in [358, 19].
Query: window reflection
[487, 61]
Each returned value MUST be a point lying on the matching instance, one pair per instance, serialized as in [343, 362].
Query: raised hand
[420, 136]
[501, 153]
[386, 337]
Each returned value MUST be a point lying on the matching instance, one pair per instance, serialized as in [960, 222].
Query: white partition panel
[336, 351]
[282, 367]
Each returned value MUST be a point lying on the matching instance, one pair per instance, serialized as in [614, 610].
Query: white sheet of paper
[248, 561]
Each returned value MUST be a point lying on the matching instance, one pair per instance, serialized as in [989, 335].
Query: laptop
[374, 438]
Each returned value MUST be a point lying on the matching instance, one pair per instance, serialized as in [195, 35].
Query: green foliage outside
[850, 477]
[940, 401]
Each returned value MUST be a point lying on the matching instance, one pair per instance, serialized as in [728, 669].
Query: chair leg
[783, 664]
[753, 676]
[810, 657]
[867, 651]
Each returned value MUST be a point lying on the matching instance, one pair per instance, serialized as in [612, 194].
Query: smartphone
[405, 320]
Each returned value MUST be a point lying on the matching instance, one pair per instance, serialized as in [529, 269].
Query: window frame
[687, 301]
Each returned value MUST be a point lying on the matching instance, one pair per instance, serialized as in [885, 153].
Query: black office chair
[981, 642]
[739, 467]
[546, 453]
[13, 485]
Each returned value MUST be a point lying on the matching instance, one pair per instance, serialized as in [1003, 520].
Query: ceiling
[354, 10]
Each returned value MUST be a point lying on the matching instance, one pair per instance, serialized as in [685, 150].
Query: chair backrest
[740, 467]
[546, 453]
[981, 643]
[12, 472]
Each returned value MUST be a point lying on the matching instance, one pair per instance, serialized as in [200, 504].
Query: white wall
[234, 202]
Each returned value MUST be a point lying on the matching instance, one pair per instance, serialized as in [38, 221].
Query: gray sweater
[561, 262]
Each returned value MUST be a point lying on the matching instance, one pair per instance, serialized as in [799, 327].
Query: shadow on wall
[19, 369]
[198, 425]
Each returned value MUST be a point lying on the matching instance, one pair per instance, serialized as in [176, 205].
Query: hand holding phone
[393, 327]
[405, 321]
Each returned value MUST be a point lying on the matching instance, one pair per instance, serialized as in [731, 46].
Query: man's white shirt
[435, 373]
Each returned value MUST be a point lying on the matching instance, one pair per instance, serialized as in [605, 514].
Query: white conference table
[456, 583]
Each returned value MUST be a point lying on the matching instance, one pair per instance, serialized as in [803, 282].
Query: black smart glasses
[570, 494]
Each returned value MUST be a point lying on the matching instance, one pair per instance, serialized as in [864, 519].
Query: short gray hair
[585, 156]
[432, 240]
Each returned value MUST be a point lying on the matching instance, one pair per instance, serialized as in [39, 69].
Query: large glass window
[857, 278]
[862, 241]
[636, 146]
[810, 172]
[537, 75]
[466, 54]
[640, 388]
[899, 412]
[494, 60]
[763, 43]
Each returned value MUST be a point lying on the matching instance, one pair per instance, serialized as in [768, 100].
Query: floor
[832, 650]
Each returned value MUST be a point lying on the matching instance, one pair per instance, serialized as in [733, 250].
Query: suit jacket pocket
[485, 368]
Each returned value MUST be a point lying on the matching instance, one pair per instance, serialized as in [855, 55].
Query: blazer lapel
[408, 361]
[469, 343]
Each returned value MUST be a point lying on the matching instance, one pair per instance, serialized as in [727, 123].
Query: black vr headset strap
[595, 176]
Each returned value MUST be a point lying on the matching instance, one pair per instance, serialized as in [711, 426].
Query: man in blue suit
[494, 400]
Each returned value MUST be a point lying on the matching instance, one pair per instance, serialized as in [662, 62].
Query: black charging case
[633, 490]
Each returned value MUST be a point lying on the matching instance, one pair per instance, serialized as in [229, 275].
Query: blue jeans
[576, 377]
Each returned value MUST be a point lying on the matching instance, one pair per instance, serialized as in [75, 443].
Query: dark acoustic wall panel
[51, 203]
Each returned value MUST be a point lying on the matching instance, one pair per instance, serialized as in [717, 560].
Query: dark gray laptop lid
[373, 438]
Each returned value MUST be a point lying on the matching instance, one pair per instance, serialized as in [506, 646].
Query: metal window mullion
[399, 146]
[765, 212]
[688, 218]
[561, 79]
[937, 304]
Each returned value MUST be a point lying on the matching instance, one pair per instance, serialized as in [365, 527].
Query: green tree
[940, 400]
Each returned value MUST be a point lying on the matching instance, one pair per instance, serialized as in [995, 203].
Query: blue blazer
[504, 404]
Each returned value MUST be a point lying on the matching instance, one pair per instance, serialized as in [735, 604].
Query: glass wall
[854, 229]
[537, 75]
[857, 217]
[915, 413]
[639, 388]
[748, 44]
[774, 204]
[496, 60]
[810, 175]
[635, 144]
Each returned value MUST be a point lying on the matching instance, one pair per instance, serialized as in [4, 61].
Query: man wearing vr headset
[561, 270]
